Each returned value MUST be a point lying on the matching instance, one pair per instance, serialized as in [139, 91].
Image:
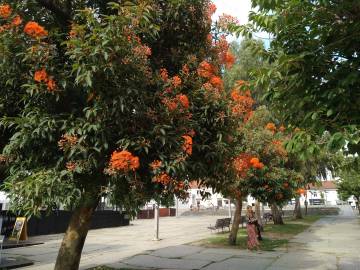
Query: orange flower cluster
[282, 128]
[124, 161]
[242, 164]
[181, 102]
[176, 81]
[215, 85]
[42, 76]
[222, 49]
[142, 52]
[228, 59]
[71, 166]
[242, 104]
[217, 82]
[164, 74]
[185, 69]
[208, 87]
[35, 30]
[5, 11]
[67, 141]
[271, 127]
[209, 38]
[279, 148]
[212, 8]
[225, 20]
[16, 21]
[179, 186]
[156, 164]
[300, 191]
[206, 70]
[162, 178]
[255, 163]
[187, 146]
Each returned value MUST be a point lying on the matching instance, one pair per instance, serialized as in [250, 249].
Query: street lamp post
[230, 214]
[177, 207]
[156, 217]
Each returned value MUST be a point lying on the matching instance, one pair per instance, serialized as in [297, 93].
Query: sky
[236, 8]
[239, 9]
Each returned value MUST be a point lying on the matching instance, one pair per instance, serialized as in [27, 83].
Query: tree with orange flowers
[259, 158]
[120, 100]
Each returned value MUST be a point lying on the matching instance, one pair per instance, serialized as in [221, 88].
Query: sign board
[316, 201]
[20, 230]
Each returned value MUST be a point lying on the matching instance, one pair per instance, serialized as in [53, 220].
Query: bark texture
[277, 218]
[73, 242]
[236, 222]
[258, 215]
[297, 210]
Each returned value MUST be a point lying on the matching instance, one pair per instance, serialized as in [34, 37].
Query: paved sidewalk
[332, 243]
[104, 246]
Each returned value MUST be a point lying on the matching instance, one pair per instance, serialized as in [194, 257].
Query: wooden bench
[267, 217]
[221, 224]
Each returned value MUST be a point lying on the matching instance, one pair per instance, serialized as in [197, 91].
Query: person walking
[252, 242]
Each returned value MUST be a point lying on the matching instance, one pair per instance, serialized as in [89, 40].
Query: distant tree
[247, 62]
[349, 183]
[314, 54]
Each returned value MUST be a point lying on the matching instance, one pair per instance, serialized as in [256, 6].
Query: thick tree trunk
[236, 222]
[258, 215]
[297, 210]
[277, 218]
[73, 242]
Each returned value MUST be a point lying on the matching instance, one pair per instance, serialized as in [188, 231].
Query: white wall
[4, 200]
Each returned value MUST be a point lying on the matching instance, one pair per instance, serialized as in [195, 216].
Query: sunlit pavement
[106, 246]
[331, 243]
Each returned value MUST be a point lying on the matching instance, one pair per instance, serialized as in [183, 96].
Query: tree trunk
[258, 215]
[73, 242]
[297, 210]
[236, 222]
[277, 218]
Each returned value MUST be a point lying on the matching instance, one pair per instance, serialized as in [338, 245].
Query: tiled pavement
[332, 243]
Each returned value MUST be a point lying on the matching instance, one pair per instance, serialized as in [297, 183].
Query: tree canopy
[314, 54]
[109, 100]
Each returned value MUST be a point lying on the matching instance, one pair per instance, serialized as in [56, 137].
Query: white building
[325, 193]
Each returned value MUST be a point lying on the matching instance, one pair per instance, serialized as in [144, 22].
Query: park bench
[267, 217]
[221, 223]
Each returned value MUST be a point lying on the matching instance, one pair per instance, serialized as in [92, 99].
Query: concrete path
[332, 243]
[106, 246]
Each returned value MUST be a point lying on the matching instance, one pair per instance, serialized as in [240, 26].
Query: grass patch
[274, 236]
